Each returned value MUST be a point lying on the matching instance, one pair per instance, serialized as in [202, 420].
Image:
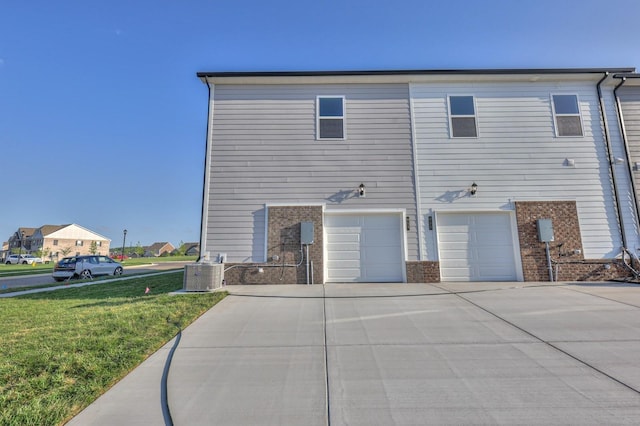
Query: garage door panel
[476, 247]
[344, 247]
[493, 238]
[455, 238]
[375, 221]
[347, 263]
[343, 256]
[387, 254]
[370, 251]
[343, 221]
[346, 275]
[380, 236]
[379, 274]
[495, 274]
[345, 238]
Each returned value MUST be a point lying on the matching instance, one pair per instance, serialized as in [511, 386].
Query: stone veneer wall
[423, 272]
[283, 241]
[566, 229]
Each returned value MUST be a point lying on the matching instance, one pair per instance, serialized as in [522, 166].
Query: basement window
[330, 117]
[462, 117]
[566, 112]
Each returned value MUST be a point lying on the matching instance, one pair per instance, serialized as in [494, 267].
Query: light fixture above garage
[473, 189]
[362, 190]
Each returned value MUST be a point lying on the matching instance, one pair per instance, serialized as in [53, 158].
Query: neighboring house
[58, 241]
[416, 176]
[191, 249]
[158, 249]
[21, 240]
[4, 252]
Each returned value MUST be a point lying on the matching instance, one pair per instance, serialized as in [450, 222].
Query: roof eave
[397, 75]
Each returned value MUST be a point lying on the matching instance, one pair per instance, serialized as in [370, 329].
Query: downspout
[205, 184]
[607, 140]
[627, 154]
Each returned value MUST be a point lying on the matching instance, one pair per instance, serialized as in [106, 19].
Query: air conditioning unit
[203, 276]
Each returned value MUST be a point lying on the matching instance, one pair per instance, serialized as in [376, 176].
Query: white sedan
[25, 259]
[85, 267]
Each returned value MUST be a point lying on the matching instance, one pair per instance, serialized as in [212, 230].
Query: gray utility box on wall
[545, 230]
[306, 232]
[203, 276]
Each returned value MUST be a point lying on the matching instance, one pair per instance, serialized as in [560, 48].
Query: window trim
[556, 115]
[451, 116]
[343, 117]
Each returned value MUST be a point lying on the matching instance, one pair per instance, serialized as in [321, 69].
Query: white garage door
[364, 248]
[476, 247]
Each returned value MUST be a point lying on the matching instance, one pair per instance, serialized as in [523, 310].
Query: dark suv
[85, 267]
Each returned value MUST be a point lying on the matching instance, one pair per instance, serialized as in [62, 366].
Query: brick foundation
[572, 266]
[423, 272]
[283, 242]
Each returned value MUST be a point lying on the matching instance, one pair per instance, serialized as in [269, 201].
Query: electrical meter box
[545, 230]
[306, 232]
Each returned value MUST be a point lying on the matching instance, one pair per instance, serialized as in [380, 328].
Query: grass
[147, 260]
[14, 270]
[62, 349]
[76, 281]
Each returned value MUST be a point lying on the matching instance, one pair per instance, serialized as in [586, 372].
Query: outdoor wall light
[361, 190]
[473, 189]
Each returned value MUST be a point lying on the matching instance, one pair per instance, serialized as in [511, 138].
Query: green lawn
[148, 260]
[60, 350]
[14, 270]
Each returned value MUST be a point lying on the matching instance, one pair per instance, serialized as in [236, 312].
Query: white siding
[630, 102]
[265, 151]
[516, 157]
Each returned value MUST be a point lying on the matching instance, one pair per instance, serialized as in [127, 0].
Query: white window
[566, 113]
[462, 116]
[78, 243]
[330, 117]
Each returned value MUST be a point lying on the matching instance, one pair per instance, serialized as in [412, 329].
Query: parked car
[25, 259]
[85, 267]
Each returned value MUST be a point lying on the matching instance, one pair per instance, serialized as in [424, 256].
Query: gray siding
[264, 150]
[630, 102]
[516, 156]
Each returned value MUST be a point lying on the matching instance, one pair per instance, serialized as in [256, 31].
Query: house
[158, 249]
[21, 239]
[417, 176]
[191, 249]
[4, 252]
[58, 241]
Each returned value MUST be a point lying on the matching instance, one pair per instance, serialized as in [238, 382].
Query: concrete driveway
[395, 354]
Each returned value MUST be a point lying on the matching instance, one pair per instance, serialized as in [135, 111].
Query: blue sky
[103, 121]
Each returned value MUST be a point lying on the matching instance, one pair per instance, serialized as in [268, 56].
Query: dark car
[85, 267]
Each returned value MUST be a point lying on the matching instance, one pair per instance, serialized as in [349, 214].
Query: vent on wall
[203, 276]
